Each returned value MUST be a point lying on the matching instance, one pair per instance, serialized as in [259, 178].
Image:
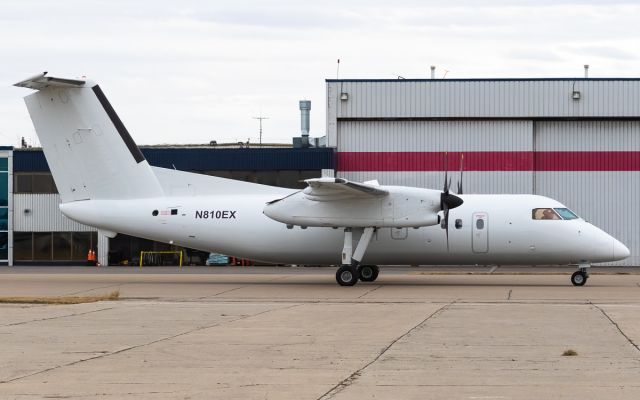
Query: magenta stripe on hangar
[491, 161]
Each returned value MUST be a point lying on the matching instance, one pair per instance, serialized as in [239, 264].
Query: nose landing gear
[579, 278]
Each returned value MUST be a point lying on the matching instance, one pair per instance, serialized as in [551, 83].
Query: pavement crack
[103, 355]
[223, 292]
[231, 290]
[348, 381]
[369, 291]
[57, 317]
[614, 323]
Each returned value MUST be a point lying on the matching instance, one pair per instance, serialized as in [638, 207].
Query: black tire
[368, 273]
[579, 278]
[347, 275]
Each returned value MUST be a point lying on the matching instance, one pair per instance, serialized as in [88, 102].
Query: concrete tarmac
[293, 333]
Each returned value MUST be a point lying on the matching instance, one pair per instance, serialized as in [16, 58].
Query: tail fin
[88, 148]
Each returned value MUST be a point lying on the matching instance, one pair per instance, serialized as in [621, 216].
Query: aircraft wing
[331, 189]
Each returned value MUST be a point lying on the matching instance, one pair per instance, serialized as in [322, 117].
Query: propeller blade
[446, 226]
[461, 170]
[445, 167]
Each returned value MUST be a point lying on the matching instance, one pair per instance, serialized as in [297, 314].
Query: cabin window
[565, 213]
[480, 224]
[544, 213]
[458, 223]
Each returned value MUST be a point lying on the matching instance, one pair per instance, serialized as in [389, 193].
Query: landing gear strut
[579, 278]
[349, 273]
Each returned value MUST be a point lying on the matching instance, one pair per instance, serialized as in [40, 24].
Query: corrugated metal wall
[608, 199]
[43, 216]
[439, 136]
[537, 120]
[488, 98]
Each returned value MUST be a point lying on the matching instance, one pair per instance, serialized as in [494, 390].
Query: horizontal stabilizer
[42, 81]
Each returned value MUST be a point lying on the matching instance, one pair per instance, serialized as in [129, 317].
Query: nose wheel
[579, 278]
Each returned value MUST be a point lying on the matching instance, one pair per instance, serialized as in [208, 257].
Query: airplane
[105, 181]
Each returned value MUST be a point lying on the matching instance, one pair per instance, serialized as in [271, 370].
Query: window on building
[42, 246]
[53, 246]
[62, 245]
[22, 246]
[458, 223]
[4, 218]
[23, 183]
[4, 188]
[4, 210]
[43, 183]
[80, 245]
[4, 245]
[34, 182]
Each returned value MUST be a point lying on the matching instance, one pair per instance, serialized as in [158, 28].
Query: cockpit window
[544, 213]
[565, 213]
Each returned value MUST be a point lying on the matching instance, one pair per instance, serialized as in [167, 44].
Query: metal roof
[478, 79]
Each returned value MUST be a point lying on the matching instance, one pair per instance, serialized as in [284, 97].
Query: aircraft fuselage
[486, 229]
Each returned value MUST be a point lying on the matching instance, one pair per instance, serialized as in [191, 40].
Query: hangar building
[575, 140]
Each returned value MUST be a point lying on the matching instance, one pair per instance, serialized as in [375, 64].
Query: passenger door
[480, 233]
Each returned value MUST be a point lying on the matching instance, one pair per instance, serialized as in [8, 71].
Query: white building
[575, 140]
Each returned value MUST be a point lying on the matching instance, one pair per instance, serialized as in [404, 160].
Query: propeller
[448, 200]
[461, 169]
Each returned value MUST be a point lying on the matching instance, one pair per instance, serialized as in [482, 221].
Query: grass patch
[570, 353]
[113, 296]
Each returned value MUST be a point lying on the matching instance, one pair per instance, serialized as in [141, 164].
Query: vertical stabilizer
[88, 148]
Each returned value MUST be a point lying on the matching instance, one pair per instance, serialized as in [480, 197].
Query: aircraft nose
[620, 251]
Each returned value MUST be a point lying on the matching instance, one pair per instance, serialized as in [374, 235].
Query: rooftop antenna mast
[260, 118]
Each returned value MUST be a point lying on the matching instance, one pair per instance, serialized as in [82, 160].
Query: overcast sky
[194, 71]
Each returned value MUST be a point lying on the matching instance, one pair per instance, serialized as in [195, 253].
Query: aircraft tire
[578, 278]
[347, 275]
[368, 273]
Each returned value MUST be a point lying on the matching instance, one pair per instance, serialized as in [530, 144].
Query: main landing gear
[348, 275]
[579, 278]
[351, 271]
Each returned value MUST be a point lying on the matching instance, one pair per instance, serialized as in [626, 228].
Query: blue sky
[195, 71]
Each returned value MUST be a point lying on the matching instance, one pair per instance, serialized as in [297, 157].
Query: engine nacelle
[401, 207]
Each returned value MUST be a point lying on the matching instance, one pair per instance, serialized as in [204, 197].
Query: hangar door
[592, 167]
[411, 152]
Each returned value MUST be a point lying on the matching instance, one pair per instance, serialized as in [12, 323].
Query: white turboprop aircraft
[104, 181]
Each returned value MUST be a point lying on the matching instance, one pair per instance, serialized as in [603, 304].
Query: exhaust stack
[305, 119]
